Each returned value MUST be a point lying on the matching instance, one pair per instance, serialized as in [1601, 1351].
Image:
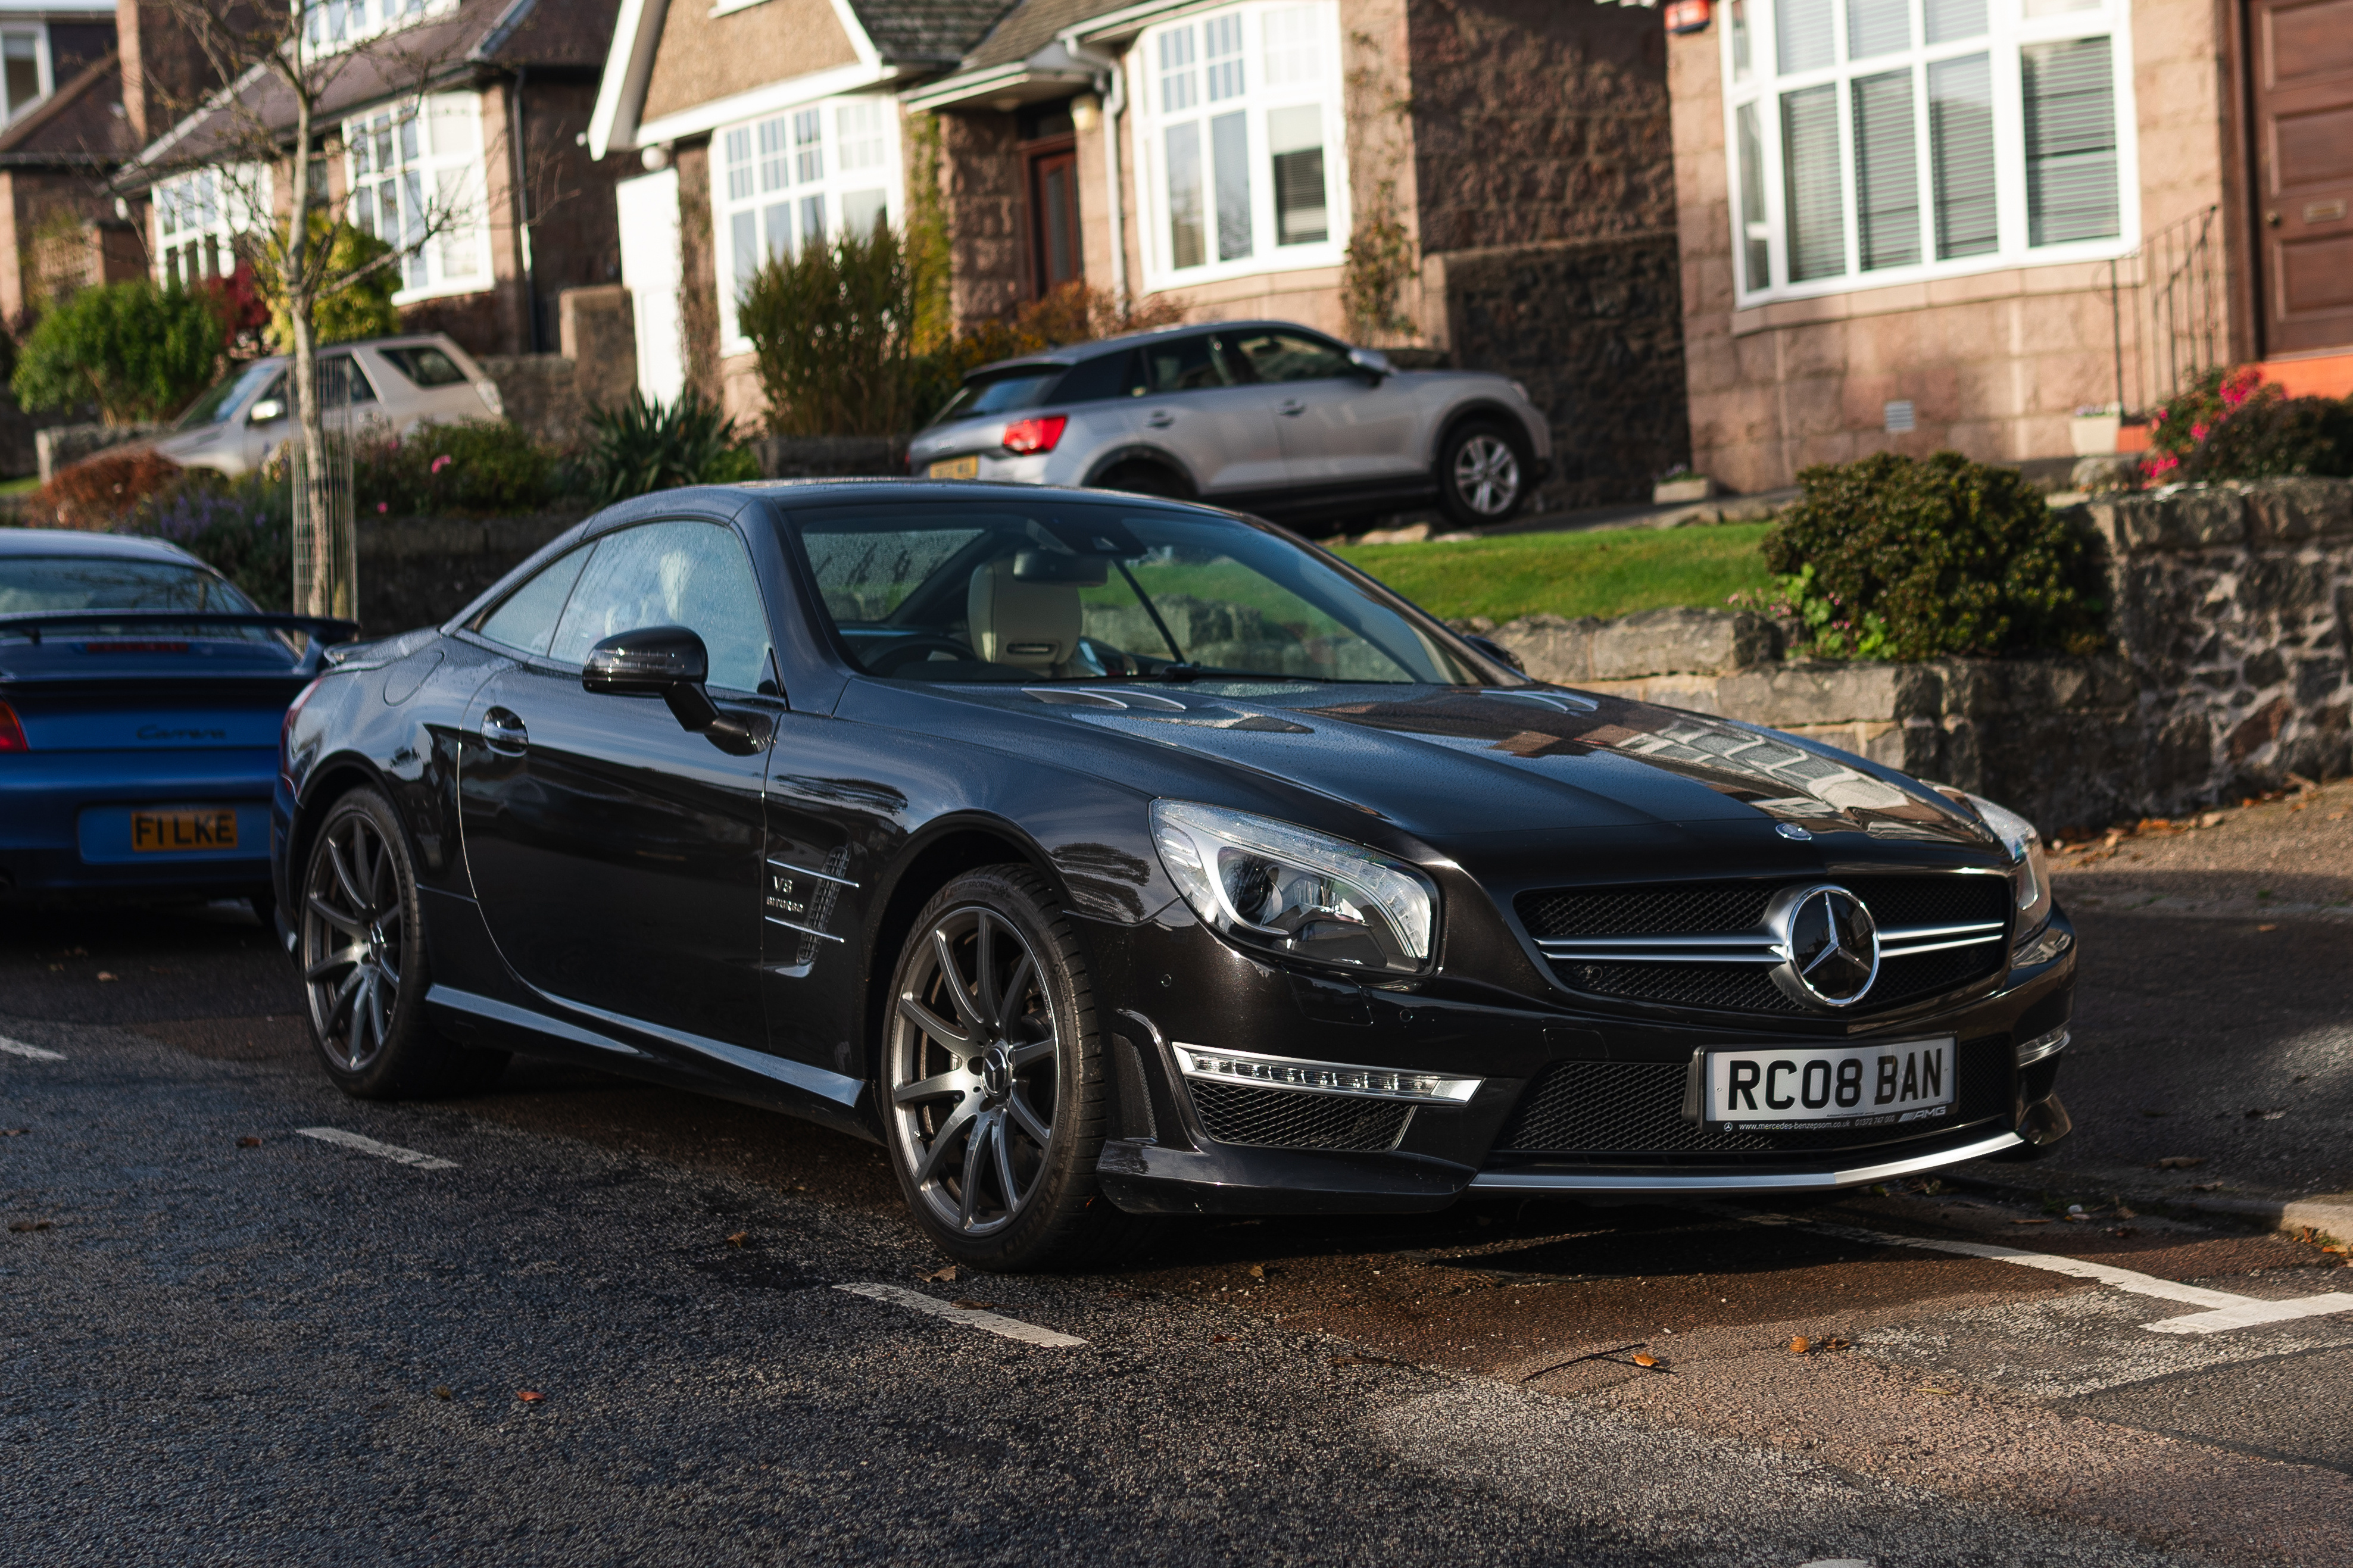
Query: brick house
[1505, 164]
[497, 135]
[1915, 224]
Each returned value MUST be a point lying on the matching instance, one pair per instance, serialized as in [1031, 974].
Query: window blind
[1807, 41]
[1950, 21]
[1814, 195]
[1960, 148]
[1296, 137]
[1886, 171]
[2069, 93]
[1877, 28]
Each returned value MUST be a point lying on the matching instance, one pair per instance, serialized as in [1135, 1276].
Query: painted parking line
[19, 1048]
[392, 1151]
[971, 1317]
[2225, 1310]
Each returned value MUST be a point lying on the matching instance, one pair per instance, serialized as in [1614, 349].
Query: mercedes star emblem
[1830, 946]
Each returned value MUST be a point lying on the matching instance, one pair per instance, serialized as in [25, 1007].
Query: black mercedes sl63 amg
[1105, 856]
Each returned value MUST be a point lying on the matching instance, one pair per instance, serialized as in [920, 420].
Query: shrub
[98, 493]
[137, 351]
[361, 308]
[832, 332]
[643, 446]
[2229, 425]
[471, 466]
[1892, 558]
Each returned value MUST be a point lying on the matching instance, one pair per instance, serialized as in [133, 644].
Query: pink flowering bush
[2232, 424]
[473, 466]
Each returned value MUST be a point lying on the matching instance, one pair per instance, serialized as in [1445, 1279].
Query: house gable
[701, 58]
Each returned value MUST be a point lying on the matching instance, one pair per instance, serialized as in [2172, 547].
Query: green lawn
[1609, 571]
[20, 487]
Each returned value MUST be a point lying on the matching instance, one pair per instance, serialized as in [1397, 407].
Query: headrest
[1032, 626]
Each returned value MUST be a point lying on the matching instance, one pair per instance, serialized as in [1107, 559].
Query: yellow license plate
[170, 832]
[955, 469]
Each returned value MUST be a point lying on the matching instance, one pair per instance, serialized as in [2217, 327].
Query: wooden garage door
[2304, 170]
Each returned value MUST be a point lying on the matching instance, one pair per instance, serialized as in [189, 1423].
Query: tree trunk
[326, 553]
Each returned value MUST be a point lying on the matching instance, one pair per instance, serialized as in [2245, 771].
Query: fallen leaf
[1257, 1270]
[2038, 1219]
[945, 1276]
[102, 974]
[2077, 1218]
[2259, 1115]
[1800, 1345]
[443, 1393]
[1221, 1339]
[2206, 1187]
[1645, 1358]
[527, 1396]
[2124, 1230]
[1834, 1343]
[974, 1306]
[2181, 1162]
[739, 1238]
[21, 1226]
[14, 1131]
[2267, 928]
[248, 1142]
[2124, 1212]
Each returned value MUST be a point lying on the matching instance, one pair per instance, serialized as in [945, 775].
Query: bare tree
[292, 72]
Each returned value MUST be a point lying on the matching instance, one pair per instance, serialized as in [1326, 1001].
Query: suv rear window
[1001, 393]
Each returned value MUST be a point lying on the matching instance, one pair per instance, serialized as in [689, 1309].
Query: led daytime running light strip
[2041, 1046]
[1325, 1078]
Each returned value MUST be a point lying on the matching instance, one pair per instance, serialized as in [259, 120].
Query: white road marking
[392, 1151]
[19, 1048]
[971, 1317]
[2227, 1310]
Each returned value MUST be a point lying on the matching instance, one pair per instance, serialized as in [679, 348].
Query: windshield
[1084, 590]
[225, 397]
[1000, 394]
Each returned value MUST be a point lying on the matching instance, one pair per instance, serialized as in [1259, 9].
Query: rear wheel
[993, 1077]
[1483, 474]
[361, 930]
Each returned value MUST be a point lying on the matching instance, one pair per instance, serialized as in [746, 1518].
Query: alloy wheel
[1487, 475]
[975, 1071]
[352, 913]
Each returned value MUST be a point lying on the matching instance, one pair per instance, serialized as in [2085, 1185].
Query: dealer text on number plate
[1858, 1086]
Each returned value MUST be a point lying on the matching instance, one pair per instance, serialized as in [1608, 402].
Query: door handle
[1290, 405]
[1160, 419]
[503, 733]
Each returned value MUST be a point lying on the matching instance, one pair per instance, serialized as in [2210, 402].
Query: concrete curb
[2331, 1214]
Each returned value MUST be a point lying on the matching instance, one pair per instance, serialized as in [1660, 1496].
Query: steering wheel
[897, 654]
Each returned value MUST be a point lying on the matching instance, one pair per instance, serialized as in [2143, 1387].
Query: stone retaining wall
[417, 571]
[2233, 625]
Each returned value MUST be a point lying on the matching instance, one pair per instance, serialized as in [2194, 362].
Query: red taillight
[286, 727]
[1035, 435]
[12, 734]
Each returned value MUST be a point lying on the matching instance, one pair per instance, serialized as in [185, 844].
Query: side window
[1288, 356]
[690, 574]
[527, 619]
[1105, 375]
[1183, 364]
[424, 364]
[346, 368]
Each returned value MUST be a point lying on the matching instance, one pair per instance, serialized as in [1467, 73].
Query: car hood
[1453, 766]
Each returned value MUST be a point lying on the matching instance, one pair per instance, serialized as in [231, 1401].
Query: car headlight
[2030, 871]
[1300, 894]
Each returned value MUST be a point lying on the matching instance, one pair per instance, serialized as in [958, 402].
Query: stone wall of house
[987, 213]
[1592, 330]
[2232, 669]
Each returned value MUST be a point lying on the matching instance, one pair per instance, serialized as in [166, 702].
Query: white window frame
[220, 204]
[750, 189]
[42, 69]
[2008, 30]
[1150, 123]
[449, 176]
[332, 27]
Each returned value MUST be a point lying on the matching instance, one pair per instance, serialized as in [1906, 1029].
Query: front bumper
[1178, 1150]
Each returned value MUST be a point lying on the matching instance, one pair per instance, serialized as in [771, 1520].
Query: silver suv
[398, 383]
[1268, 417]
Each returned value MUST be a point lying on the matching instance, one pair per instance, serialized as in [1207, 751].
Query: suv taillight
[1037, 435]
[12, 734]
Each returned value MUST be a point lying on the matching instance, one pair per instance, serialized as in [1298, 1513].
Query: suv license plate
[955, 468]
[176, 832]
[1769, 1089]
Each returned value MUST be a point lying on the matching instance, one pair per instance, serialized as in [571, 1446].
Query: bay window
[1238, 141]
[1877, 142]
[416, 183]
[796, 179]
[202, 216]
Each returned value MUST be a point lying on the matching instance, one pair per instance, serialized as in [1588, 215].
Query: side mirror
[1493, 650]
[265, 411]
[671, 663]
[1372, 365]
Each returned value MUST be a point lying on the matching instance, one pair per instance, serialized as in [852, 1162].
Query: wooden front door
[1054, 221]
[2303, 97]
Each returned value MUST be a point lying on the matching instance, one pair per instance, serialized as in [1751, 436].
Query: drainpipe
[1111, 86]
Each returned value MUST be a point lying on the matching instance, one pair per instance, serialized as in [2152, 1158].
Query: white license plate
[1857, 1086]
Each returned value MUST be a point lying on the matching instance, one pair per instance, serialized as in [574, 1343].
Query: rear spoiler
[322, 630]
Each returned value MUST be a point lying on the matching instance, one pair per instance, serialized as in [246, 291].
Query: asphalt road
[227, 1342]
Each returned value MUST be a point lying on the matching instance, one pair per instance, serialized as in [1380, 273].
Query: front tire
[1483, 474]
[360, 931]
[994, 1078]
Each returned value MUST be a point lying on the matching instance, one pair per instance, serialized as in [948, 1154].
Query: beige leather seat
[1030, 625]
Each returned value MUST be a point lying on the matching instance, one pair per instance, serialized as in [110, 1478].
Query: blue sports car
[141, 701]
